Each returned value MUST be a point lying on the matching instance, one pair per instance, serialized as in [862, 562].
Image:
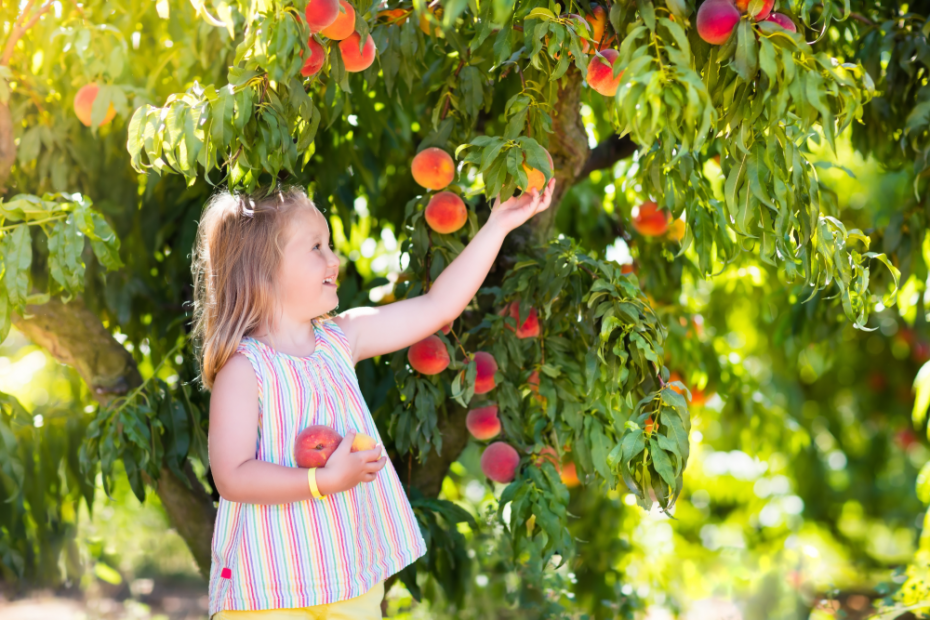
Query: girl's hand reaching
[512, 213]
[345, 469]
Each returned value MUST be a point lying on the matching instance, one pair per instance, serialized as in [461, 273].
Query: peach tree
[117, 121]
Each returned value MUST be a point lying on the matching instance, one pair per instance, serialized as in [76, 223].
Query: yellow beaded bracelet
[311, 478]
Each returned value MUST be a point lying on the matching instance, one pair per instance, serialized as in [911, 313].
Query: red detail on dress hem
[226, 574]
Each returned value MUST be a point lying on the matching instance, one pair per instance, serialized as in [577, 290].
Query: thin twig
[19, 30]
[658, 374]
[459, 342]
[445, 109]
[34, 223]
[861, 18]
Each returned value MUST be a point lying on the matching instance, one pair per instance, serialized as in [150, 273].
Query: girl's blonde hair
[240, 242]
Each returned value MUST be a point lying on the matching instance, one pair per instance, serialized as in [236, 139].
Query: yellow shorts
[364, 607]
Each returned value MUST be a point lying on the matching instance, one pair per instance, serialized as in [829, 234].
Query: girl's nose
[332, 258]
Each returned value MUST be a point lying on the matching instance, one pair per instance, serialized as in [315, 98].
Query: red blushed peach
[447, 328]
[353, 59]
[601, 74]
[84, 103]
[487, 366]
[627, 268]
[548, 453]
[315, 444]
[315, 60]
[535, 179]
[499, 462]
[782, 20]
[343, 26]
[716, 20]
[598, 21]
[650, 220]
[446, 213]
[530, 327]
[429, 356]
[433, 168]
[483, 422]
[321, 13]
[767, 5]
[672, 377]
[569, 475]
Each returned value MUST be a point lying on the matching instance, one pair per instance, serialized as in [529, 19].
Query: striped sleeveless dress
[312, 552]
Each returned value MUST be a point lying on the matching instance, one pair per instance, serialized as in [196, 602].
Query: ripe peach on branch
[486, 367]
[321, 13]
[782, 20]
[483, 422]
[761, 10]
[433, 168]
[357, 57]
[84, 104]
[499, 462]
[529, 328]
[598, 20]
[343, 25]
[429, 356]
[716, 21]
[315, 60]
[446, 213]
[601, 76]
[650, 221]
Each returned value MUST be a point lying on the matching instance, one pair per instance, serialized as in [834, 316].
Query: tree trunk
[7, 145]
[75, 336]
[191, 512]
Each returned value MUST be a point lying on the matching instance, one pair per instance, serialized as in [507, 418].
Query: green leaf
[662, 462]
[16, 249]
[746, 60]
[634, 441]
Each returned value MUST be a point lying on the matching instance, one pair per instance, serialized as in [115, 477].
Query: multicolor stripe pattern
[316, 551]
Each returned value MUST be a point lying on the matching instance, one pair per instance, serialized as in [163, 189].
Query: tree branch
[19, 30]
[606, 154]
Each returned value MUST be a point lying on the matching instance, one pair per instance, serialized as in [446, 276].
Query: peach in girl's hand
[314, 444]
[347, 467]
[362, 442]
[317, 442]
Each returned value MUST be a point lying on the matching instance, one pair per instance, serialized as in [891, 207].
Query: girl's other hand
[345, 469]
[512, 213]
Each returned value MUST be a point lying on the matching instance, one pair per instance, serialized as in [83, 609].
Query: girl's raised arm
[375, 331]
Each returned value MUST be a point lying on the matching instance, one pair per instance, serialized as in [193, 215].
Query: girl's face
[309, 268]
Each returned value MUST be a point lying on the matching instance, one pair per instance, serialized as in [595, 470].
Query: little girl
[291, 542]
